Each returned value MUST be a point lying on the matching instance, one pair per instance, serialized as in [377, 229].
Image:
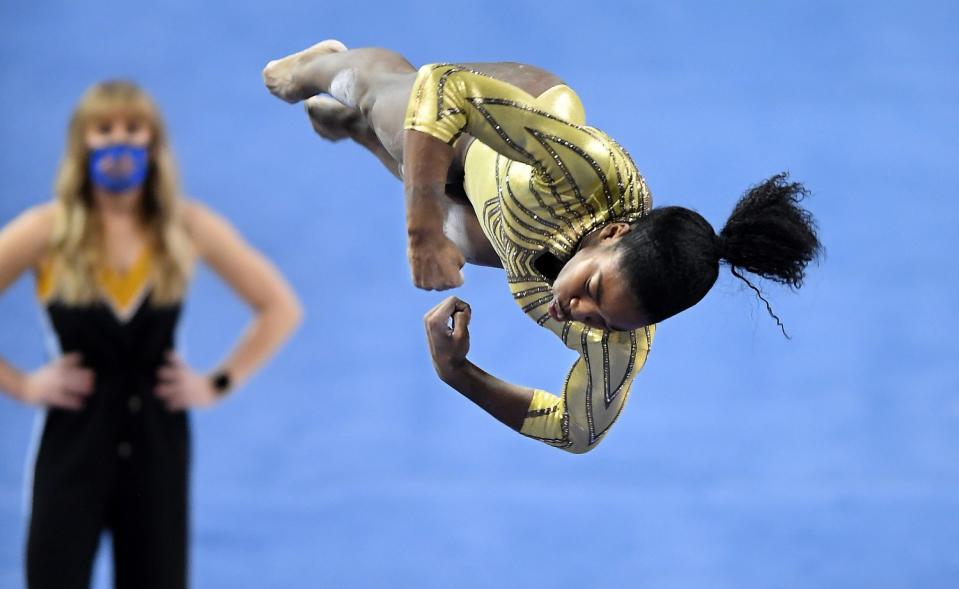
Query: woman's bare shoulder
[25, 241]
[34, 224]
[196, 216]
[204, 226]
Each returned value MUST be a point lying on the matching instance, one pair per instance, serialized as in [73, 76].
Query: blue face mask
[119, 167]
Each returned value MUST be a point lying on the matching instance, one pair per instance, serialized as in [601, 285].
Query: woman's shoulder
[39, 216]
[25, 242]
[203, 225]
[197, 217]
[33, 228]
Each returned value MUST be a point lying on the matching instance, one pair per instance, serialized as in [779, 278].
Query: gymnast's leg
[375, 82]
[334, 121]
[382, 83]
[372, 88]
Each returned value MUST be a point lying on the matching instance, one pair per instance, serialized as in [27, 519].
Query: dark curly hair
[671, 256]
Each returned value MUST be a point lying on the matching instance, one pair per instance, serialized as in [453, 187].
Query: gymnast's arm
[434, 260]
[434, 119]
[506, 402]
[596, 387]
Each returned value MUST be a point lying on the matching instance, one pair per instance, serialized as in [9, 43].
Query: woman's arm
[252, 277]
[62, 383]
[22, 244]
[24, 241]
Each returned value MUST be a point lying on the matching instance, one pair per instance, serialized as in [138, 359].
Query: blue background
[743, 460]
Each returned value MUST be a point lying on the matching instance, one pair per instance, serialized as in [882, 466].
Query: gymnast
[500, 169]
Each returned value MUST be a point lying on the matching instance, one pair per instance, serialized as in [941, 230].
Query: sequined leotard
[539, 180]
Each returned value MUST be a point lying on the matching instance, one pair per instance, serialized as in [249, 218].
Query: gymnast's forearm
[425, 212]
[505, 401]
[426, 162]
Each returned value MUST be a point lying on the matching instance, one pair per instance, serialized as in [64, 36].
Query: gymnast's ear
[614, 230]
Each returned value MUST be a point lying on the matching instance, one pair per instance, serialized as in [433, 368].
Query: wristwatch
[221, 382]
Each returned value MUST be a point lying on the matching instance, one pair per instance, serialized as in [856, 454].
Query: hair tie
[720, 245]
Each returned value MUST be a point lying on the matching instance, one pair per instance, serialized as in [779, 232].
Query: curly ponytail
[671, 257]
[769, 234]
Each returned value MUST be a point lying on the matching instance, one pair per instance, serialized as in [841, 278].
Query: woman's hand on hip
[63, 384]
[180, 387]
[447, 330]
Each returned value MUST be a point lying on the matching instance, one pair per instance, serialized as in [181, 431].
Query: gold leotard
[539, 180]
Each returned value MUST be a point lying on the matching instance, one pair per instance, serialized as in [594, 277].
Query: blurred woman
[112, 255]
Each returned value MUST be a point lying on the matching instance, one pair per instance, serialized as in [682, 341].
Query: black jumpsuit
[120, 464]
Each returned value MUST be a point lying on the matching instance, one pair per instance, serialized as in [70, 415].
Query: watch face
[221, 382]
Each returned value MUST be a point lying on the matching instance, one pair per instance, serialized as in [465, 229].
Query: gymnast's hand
[180, 387]
[62, 383]
[447, 330]
[435, 262]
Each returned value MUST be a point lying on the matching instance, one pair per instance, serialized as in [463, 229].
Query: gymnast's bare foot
[285, 77]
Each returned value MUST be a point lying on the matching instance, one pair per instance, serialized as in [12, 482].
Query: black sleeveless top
[123, 338]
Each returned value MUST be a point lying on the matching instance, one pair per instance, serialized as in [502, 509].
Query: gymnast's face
[591, 288]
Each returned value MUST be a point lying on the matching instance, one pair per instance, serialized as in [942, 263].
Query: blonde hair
[77, 247]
